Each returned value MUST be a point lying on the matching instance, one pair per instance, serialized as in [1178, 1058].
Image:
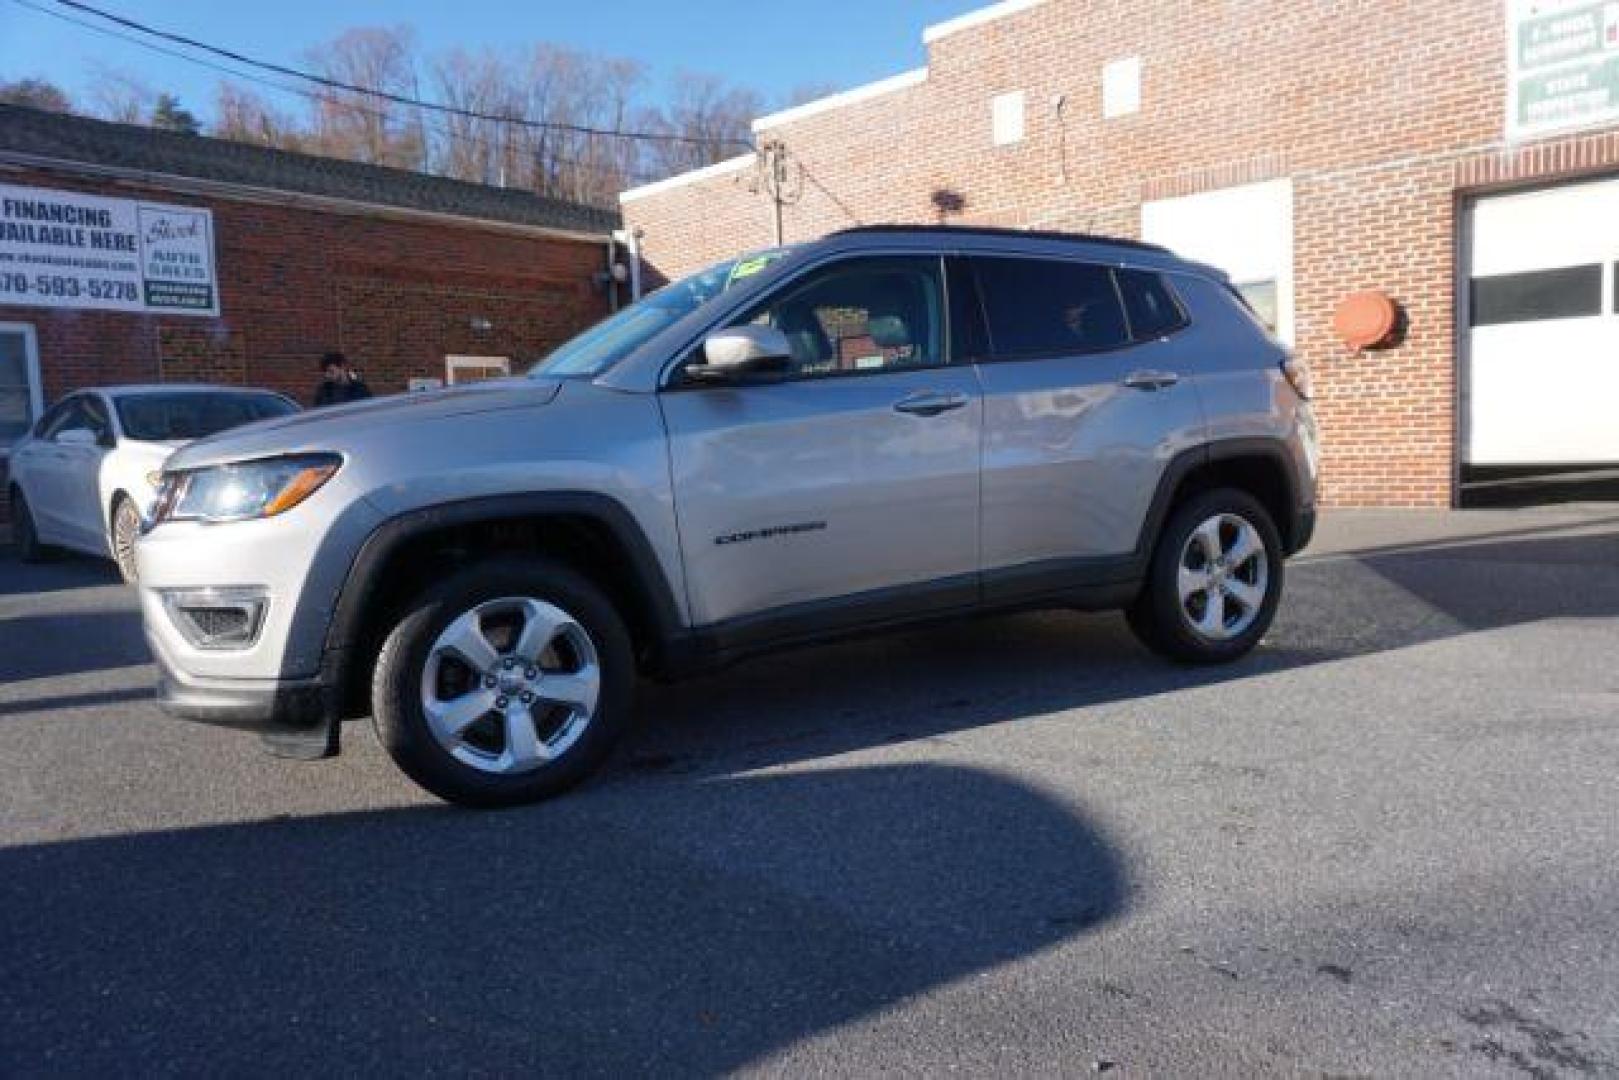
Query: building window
[1121, 87]
[1006, 118]
[466, 369]
[1568, 292]
[20, 397]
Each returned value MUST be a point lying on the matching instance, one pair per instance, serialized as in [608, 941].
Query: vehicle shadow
[675, 929]
[931, 683]
[42, 646]
[89, 700]
[64, 572]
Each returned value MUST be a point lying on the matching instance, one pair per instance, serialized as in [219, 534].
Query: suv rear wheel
[1214, 581]
[507, 684]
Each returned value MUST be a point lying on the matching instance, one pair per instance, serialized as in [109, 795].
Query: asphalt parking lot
[1387, 844]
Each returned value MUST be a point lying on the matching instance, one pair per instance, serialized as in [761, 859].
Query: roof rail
[986, 230]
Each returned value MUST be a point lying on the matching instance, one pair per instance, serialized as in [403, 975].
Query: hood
[325, 429]
[150, 449]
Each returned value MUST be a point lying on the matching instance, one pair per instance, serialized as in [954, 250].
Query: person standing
[339, 383]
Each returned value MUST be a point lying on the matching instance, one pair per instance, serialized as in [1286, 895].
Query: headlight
[239, 492]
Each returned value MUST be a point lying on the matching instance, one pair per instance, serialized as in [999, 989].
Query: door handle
[1151, 380]
[929, 403]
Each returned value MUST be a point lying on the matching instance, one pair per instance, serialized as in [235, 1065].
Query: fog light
[217, 618]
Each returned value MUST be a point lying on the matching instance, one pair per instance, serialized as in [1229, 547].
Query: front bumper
[297, 719]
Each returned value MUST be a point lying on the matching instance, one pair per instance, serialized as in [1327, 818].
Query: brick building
[1446, 153]
[276, 258]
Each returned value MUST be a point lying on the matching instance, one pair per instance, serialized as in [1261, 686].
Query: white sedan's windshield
[608, 342]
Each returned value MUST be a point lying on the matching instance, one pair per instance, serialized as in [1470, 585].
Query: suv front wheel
[1214, 581]
[507, 684]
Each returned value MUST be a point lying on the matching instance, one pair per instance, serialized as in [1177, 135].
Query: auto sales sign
[64, 249]
[1562, 65]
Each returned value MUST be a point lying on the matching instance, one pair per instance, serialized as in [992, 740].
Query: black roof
[129, 146]
[1022, 234]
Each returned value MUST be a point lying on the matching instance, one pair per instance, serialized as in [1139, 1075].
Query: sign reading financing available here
[1562, 65]
[64, 249]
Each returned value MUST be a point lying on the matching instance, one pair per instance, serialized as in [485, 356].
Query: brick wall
[395, 294]
[1380, 113]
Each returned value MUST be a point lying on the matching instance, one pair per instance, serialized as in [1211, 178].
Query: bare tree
[712, 120]
[549, 119]
[485, 82]
[119, 96]
[36, 94]
[364, 127]
[242, 116]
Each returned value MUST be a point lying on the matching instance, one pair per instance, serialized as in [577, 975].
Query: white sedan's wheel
[126, 529]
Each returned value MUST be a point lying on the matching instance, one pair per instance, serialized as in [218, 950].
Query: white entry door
[1247, 231]
[1542, 379]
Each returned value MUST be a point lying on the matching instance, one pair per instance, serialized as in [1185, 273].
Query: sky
[772, 46]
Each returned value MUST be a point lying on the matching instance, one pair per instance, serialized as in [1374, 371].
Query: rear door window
[1049, 307]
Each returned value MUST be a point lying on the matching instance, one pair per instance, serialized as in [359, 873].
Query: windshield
[182, 417]
[608, 342]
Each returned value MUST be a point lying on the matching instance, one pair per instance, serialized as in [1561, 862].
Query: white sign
[1562, 65]
[64, 249]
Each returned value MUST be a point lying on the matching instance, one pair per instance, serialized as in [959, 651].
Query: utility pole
[775, 167]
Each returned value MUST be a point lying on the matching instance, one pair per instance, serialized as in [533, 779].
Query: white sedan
[85, 475]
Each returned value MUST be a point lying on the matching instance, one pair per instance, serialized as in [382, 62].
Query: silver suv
[885, 426]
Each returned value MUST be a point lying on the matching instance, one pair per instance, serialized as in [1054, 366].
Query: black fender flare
[362, 582]
[1295, 528]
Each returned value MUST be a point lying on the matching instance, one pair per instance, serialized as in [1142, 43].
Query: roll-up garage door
[1542, 379]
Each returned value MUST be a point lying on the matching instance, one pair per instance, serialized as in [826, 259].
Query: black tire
[1162, 620]
[24, 533]
[396, 688]
[125, 523]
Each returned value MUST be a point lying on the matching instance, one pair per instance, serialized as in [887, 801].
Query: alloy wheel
[511, 685]
[126, 527]
[1223, 576]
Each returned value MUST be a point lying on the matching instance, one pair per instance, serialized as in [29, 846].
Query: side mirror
[77, 437]
[740, 351]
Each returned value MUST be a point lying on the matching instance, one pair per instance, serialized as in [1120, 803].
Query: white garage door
[1542, 385]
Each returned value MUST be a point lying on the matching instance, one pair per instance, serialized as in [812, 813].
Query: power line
[604, 171]
[385, 95]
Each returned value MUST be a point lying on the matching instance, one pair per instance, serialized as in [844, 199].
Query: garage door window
[1569, 292]
[19, 383]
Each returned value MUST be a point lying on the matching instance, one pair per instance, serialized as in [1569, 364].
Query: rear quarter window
[1150, 304]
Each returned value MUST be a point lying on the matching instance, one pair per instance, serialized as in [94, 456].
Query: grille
[219, 622]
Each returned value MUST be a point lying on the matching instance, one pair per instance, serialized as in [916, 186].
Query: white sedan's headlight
[244, 490]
